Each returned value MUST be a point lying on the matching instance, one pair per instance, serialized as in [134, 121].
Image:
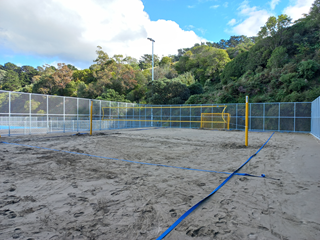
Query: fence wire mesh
[27, 113]
[315, 118]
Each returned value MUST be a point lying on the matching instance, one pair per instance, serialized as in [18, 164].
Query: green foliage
[166, 91]
[278, 58]
[195, 88]
[186, 78]
[84, 75]
[138, 94]
[308, 69]
[112, 95]
[145, 61]
[10, 81]
[165, 61]
[204, 62]
[235, 68]
[298, 85]
[2, 74]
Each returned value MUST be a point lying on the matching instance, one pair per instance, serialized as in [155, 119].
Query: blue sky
[37, 32]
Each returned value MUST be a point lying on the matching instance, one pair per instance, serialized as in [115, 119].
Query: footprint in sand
[173, 213]
[78, 214]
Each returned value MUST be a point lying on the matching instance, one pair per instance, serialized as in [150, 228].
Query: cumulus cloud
[297, 10]
[254, 19]
[274, 3]
[71, 30]
[214, 6]
[232, 22]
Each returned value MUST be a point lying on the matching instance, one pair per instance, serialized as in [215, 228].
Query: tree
[165, 91]
[111, 73]
[165, 61]
[275, 28]
[204, 62]
[145, 61]
[10, 66]
[112, 95]
[2, 74]
[63, 76]
[85, 75]
[71, 67]
[11, 81]
[278, 58]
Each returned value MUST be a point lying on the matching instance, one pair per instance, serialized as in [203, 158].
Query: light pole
[152, 78]
[152, 57]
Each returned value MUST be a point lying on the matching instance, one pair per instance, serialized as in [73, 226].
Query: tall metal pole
[152, 57]
[152, 62]
[152, 77]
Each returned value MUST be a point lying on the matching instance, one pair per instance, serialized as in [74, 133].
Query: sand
[53, 195]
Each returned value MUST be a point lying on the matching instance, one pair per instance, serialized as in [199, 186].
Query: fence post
[170, 116]
[250, 117]
[279, 119]
[152, 116]
[247, 122]
[190, 117]
[180, 116]
[30, 112]
[64, 114]
[47, 114]
[9, 114]
[118, 114]
[161, 117]
[264, 109]
[77, 114]
[237, 116]
[294, 118]
[100, 115]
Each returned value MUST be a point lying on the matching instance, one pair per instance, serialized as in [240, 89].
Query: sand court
[46, 194]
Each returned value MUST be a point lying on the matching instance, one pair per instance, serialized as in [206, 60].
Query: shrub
[307, 69]
[195, 88]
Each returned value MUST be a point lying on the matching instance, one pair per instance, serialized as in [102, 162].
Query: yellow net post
[247, 120]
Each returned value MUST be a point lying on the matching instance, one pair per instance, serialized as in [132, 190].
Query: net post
[247, 120]
[91, 117]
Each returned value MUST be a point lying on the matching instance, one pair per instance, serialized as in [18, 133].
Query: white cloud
[225, 4]
[297, 10]
[232, 22]
[214, 6]
[191, 6]
[254, 19]
[274, 3]
[71, 30]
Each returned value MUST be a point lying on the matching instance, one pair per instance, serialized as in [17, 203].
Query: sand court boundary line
[176, 223]
[143, 163]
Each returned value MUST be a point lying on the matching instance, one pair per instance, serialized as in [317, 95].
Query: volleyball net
[212, 116]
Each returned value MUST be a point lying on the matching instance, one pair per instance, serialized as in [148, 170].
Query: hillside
[281, 64]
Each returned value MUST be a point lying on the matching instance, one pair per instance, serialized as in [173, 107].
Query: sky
[37, 32]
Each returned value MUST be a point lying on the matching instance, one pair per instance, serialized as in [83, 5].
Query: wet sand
[46, 194]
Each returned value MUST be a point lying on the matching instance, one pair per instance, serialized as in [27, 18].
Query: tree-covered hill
[281, 64]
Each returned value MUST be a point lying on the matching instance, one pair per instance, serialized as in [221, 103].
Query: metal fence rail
[28, 113]
[315, 118]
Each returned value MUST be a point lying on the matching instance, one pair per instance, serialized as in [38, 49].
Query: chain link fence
[315, 118]
[28, 113]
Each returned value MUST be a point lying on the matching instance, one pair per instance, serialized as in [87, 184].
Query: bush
[278, 58]
[288, 78]
[195, 88]
[298, 85]
[307, 69]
